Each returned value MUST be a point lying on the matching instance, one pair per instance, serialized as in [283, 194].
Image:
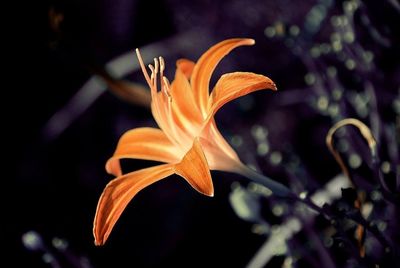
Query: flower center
[162, 105]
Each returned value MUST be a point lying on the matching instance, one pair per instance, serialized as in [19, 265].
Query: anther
[152, 76]
[162, 64]
[155, 65]
[151, 68]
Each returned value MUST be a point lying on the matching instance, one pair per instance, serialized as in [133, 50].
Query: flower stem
[275, 187]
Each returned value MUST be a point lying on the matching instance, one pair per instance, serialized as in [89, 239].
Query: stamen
[156, 65]
[166, 83]
[162, 68]
[146, 75]
[151, 68]
[166, 90]
[153, 79]
[162, 65]
[155, 73]
[166, 86]
[157, 68]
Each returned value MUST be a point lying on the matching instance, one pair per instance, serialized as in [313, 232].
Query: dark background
[52, 184]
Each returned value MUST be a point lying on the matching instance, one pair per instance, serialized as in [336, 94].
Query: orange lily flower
[188, 141]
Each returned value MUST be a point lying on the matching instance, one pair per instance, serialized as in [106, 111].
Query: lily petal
[194, 169]
[170, 122]
[216, 142]
[117, 195]
[186, 66]
[205, 67]
[160, 111]
[234, 85]
[217, 157]
[185, 110]
[143, 143]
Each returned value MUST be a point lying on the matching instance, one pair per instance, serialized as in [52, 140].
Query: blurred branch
[395, 4]
[365, 132]
[133, 93]
[293, 225]
[109, 78]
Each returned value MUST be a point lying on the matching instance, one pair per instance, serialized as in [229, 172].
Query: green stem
[275, 187]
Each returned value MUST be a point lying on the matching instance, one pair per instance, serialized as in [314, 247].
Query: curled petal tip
[98, 242]
[194, 169]
[208, 191]
[108, 167]
[113, 167]
[247, 41]
[98, 239]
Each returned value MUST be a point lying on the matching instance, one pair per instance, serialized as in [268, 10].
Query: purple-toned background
[325, 70]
